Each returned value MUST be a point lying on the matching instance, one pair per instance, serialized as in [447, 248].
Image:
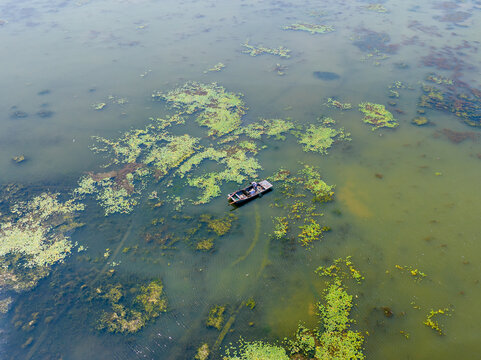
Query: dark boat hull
[242, 196]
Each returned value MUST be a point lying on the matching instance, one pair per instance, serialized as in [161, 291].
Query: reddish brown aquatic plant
[457, 137]
[418, 26]
[120, 176]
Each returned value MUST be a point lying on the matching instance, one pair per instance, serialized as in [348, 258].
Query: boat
[248, 193]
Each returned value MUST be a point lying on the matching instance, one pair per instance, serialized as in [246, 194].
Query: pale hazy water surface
[83, 52]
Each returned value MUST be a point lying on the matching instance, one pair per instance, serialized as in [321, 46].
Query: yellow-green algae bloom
[311, 232]
[300, 214]
[337, 104]
[151, 151]
[269, 127]
[258, 50]
[319, 138]
[33, 238]
[217, 109]
[311, 28]
[238, 167]
[33, 233]
[377, 115]
[217, 67]
[257, 350]
[281, 226]
[433, 323]
[313, 182]
[333, 340]
[336, 340]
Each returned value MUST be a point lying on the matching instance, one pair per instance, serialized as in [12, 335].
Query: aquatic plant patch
[319, 138]
[217, 109]
[34, 237]
[310, 28]
[377, 115]
[260, 49]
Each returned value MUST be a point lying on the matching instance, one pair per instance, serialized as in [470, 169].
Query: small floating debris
[217, 67]
[18, 159]
[433, 323]
[99, 106]
[280, 69]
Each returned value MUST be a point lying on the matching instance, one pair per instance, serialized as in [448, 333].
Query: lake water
[408, 196]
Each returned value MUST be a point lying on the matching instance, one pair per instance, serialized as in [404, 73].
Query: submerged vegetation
[129, 314]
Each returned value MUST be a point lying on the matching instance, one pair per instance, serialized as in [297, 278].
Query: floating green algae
[277, 127]
[311, 232]
[334, 339]
[134, 157]
[34, 237]
[141, 155]
[281, 226]
[417, 274]
[217, 109]
[260, 49]
[311, 28]
[299, 219]
[431, 319]
[217, 67]
[313, 182]
[319, 138]
[269, 127]
[238, 167]
[332, 103]
[337, 341]
[341, 269]
[256, 350]
[377, 115]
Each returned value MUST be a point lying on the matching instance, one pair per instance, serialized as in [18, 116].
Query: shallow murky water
[407, 196]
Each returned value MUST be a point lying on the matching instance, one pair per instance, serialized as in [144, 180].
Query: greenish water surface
[407, 197]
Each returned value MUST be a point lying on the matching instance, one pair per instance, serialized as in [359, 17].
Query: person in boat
[254, 188]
